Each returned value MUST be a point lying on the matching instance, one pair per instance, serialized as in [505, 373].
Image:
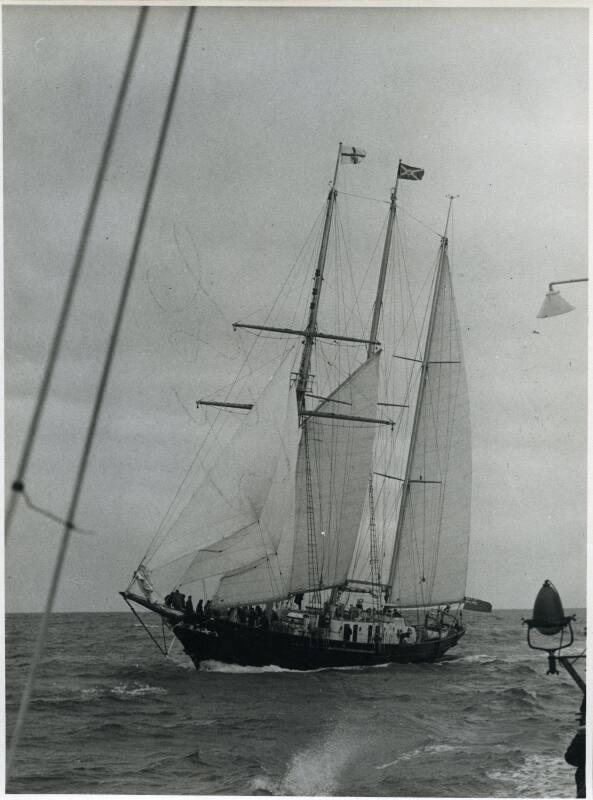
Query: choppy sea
[110, 714]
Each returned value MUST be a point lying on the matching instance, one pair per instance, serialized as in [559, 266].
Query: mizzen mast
[419, 400]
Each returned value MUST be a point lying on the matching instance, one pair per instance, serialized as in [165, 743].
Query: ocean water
[110, 714]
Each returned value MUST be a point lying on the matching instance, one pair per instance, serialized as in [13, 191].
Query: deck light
[549, 620]
[554, 303]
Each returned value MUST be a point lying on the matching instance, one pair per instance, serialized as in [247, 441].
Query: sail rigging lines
[399, 208]
[364, 197]
[179, 504]
[44, 512]
[173, 509]
[114, 335]
[54, 351]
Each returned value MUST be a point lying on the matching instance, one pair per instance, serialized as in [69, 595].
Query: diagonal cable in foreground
[39, 644]
[18, 483]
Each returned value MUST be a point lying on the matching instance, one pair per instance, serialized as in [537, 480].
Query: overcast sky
[492, 103]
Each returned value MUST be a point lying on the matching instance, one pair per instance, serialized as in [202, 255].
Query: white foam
[136, 690]
[430, 749]
[261, 784]
[236, 669]
[211, 665]
[537, 776]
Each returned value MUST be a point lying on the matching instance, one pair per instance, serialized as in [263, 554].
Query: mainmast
[311, 329]
[372, 348]
[423, 380]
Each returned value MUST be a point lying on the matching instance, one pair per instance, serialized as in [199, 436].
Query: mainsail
[335, 459]
[432, 539]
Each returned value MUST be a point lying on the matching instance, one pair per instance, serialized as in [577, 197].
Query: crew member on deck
[188, 611]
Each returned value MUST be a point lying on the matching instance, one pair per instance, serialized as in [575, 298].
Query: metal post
[383, 272]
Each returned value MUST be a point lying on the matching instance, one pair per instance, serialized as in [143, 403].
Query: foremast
[311, 329]
[424, 367]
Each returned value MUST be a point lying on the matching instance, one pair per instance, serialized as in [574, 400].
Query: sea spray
[317, 769]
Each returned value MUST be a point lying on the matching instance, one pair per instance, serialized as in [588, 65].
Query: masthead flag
[407, 173]
[352, 155]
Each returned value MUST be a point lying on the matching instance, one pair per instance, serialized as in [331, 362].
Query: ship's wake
[236, 669]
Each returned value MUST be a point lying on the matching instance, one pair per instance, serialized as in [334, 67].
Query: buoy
[548, 614]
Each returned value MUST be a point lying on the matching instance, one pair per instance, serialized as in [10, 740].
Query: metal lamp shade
[553, 305]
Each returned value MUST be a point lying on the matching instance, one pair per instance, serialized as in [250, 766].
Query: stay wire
[44, 512]
[174, 507]
[18, 483]
[40, 642]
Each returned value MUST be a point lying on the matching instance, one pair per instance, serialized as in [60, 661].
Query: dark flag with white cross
[407, 173]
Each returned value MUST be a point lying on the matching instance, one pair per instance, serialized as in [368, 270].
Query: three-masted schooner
[272, 533]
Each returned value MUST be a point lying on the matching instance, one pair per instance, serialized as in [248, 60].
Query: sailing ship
[322, 530]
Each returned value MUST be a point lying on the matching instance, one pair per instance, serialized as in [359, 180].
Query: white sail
[253, 564]
[230, 498]
[257, 582]
[434, 527]
[340, 454]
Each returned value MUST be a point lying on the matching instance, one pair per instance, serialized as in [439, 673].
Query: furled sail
[232, 519]
[334, 461]
[432, 539]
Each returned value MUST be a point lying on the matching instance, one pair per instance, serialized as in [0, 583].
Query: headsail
[432, 540]
[229, 521]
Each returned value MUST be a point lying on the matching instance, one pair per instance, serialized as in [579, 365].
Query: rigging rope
[46, 513]
[18, 483]
[39, 644]
[175, 505]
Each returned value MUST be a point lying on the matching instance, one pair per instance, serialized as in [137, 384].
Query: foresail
[334, 461]
[223, 518]
[434, 527]
[253, 564]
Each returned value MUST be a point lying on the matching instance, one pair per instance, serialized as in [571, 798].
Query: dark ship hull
[238, 644]
[219, 639]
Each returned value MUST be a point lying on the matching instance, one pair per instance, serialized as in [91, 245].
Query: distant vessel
[271, 537]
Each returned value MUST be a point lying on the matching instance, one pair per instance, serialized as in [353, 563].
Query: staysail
[432, 539]
[335, 459]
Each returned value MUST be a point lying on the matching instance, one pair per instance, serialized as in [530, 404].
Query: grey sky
[492, 103]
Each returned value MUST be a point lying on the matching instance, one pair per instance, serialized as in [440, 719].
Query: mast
[419, 400]
[383, 272]
[303, 375]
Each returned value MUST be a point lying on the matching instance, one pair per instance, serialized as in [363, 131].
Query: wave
[513, 697]
[236, 669]
[430, 749]
[119, 691]
[125, 690]
[263, 785]
[538, 776]
[490, 658]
